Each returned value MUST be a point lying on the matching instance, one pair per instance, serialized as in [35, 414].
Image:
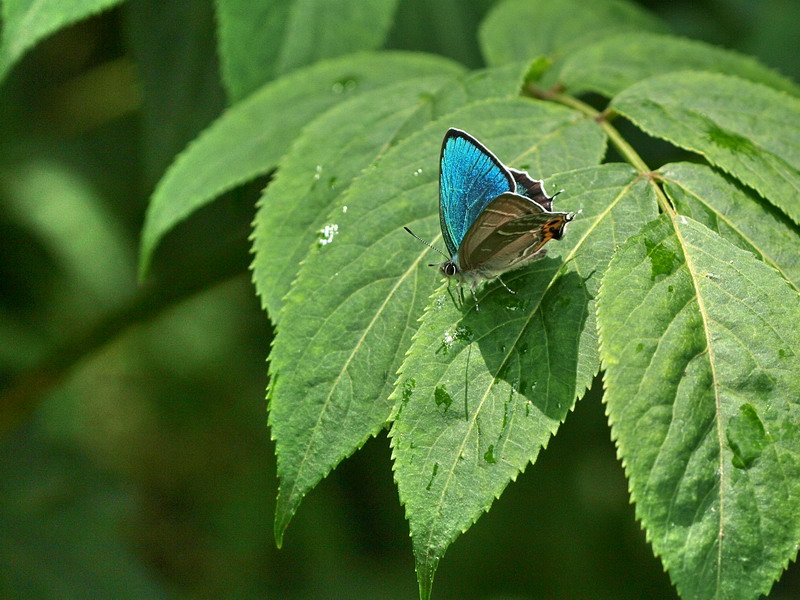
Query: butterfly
[494, 219]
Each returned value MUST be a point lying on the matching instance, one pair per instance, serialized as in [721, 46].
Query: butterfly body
[494, 219]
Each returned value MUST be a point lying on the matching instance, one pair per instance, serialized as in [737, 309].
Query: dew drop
[514, 303]
[326, 234]
[346, 84]
[451, 336]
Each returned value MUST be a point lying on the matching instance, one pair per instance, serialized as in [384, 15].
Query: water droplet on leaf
[326, 234]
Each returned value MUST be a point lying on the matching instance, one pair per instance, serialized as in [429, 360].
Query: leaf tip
[283, 515]
[425, 571]
[145, 251]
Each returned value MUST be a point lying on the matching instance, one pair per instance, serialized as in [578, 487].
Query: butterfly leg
[458, 303]
[474, 295]
[505, 286]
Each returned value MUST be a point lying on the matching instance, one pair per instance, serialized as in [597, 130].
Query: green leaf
[349, 317]
[333, 150]
[173, 76]
[524, 29]
[250, 36]
[494, 82]
[612, 64]
[714, 200]
[249, 138]
[26, 22]
[701, 346]
[81, 236]
[445, 27]
[320, 165]
[258, 41]
[749, 130]
[481, 392]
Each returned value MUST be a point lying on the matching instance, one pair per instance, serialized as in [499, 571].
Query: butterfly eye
[449, 269]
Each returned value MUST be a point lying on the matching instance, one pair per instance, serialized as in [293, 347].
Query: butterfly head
[449, 268]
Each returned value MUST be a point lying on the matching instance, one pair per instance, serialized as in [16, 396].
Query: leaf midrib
[723, 217]
[405, 116]
[401, 279]
[766, 155]
[511, 347]
[323, 409]
[717, 400]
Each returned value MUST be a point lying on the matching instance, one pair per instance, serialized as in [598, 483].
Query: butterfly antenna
[428, 244]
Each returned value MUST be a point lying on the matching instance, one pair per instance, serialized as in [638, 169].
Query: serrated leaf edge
[579, 394]
[720, 433]
[765, 257]
[709, 160]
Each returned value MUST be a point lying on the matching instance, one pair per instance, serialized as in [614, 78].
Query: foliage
[678, 281]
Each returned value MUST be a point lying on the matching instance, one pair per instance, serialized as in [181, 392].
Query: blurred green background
[135, 460]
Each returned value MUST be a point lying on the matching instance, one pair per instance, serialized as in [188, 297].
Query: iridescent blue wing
[470, 177]
[509, 233]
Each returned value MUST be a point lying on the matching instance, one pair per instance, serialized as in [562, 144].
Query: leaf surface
[322, 163]
[612, 64]
[333, 150]
[701, 346]
[261, 40]
[480, 392]
[717, 202]
[518, 30]
[749, 130]
[249, 138]
[26, 22]
[173, 76]
[349, 317]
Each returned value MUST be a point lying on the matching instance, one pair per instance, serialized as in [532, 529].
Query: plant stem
[20, 397]
[620, 143]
